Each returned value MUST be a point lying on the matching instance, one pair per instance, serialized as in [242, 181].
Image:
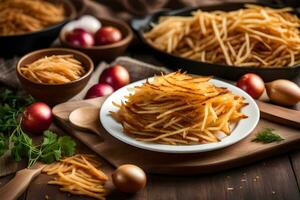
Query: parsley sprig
[267, 135]
[11, 106]
[51, 148]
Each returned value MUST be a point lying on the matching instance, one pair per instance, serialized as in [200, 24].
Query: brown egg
[129, 178]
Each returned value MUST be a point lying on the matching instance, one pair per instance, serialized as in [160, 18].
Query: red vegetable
[252, 84]
[117, 76]
[99, 90]
[36, 118]
[80, 37]
[107, 35]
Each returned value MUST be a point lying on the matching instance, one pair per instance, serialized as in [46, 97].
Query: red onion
[117, 76]
[36, 118]
[107, 35]
[99, 90]
[80, 37]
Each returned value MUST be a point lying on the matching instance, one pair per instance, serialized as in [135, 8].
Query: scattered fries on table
[255, 36]
[179, 109]
[79, 175]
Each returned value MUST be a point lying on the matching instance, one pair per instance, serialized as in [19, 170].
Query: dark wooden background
[274, 178]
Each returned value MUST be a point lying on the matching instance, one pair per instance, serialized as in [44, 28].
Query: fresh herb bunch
[11, 105]
[267, 135]
[52, 147]
[3, 144]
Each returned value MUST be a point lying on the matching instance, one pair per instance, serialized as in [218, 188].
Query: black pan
[12, 45]
[196, 67]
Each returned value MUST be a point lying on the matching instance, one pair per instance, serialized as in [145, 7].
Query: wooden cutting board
[241, 153]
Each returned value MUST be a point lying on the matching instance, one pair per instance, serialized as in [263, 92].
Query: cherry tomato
[252, 84]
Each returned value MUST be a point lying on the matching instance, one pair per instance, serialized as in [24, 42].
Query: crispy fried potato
[56, 69]
[79, 175]
[179, 109]
[255, 36]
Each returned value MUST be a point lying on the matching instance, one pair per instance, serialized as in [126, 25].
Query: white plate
[242, 129]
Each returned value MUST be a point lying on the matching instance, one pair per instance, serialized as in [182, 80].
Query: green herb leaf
[3, 144]
[49, 138]
[267, 135]
[52, 147]
[22, 145]
[51, 156]
[67, 145]
[11, 105]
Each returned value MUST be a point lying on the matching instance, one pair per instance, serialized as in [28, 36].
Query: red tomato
[117, 76]
[36, 118]
[252, 84]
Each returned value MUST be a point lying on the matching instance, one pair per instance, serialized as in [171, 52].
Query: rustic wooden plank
[271, 179]
[39, 188]
[295, 163]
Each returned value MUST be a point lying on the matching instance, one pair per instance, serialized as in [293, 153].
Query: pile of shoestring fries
[23, 16]
[254, 36]
[179, 109]
[56, 69]
[79, 175]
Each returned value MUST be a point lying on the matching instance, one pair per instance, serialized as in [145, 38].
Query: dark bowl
[58, 93]
[105, 52]
[19, 44]
[202, 68]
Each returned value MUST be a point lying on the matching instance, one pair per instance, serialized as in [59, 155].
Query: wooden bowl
[23, 43]
[104, 52]
[53, 94]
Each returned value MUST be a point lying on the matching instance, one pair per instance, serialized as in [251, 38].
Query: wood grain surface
[243, 152]
[273, 178]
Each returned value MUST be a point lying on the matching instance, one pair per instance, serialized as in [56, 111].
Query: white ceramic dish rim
[241, 130]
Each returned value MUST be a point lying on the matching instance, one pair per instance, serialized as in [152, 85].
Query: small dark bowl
[19, 44]
[104, 52]
[54, 93]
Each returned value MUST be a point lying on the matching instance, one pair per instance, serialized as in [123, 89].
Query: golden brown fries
[23, 16]
[179, 109]
[80, 175]
[252, 37]
[56, 69]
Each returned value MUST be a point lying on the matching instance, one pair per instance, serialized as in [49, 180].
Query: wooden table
[274, 178]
